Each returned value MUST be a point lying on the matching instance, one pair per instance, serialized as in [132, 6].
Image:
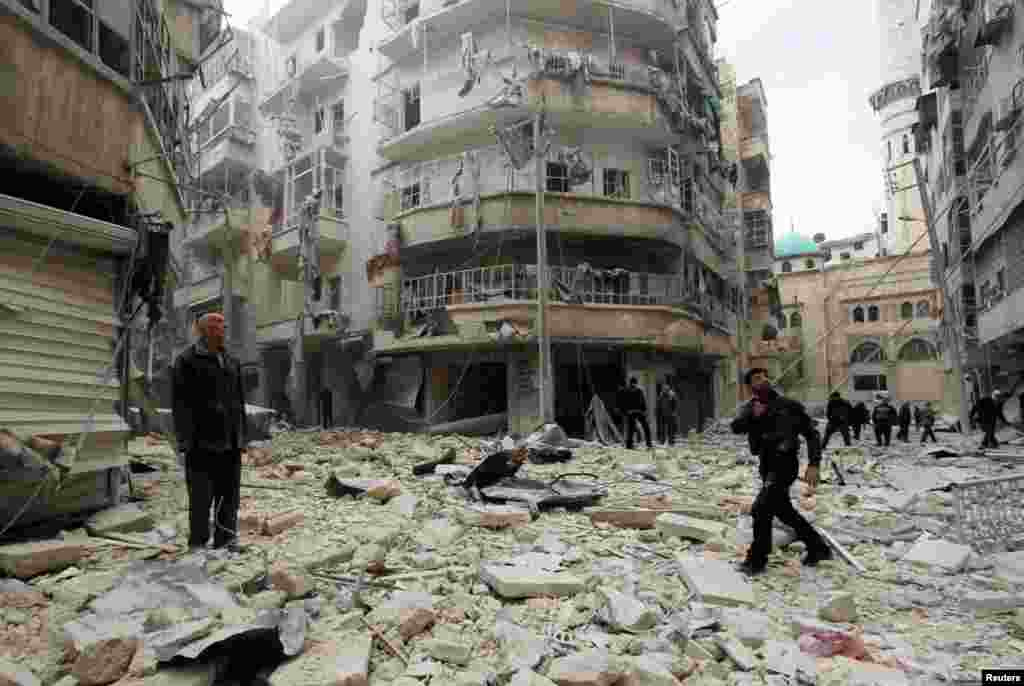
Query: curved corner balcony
[657, 21]
[319, 73]
[285, 244]
[612, 109]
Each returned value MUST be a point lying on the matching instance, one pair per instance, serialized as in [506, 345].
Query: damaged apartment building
[95, 157]
[411, 300]
[969, 135]
[629, 178]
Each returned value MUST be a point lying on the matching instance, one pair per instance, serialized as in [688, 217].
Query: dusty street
[413, 583]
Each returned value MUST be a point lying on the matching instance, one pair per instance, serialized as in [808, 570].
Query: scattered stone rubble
[357, 571]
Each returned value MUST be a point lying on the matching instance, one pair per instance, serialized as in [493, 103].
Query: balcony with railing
[995, 181]
[307, 73]
[200, 289]
[495, 287]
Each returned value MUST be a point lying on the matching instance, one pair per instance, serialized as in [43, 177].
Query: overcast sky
[819, 62]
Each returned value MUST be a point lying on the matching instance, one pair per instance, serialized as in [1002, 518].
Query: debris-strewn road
[408, 581]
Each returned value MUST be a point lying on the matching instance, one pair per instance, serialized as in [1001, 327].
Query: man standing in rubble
[209, 424]
[987, 414]
[667, 407]
[860, 418]
[904, 433]
[883, 417]
[928, 423]
[774, 425]
[634, 406]
[837, 413]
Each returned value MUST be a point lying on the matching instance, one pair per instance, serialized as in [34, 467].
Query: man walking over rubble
[859, 417]
[987, 414]
[904, 433]
[883, 418]
[667, 407]
[634, 406]
[209, 425]
[774, 425]
[837, 412]
[928, 423]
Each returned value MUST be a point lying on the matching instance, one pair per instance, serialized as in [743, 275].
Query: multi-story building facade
[95, 159]
[755, 197]
[970, 127]
[632, 183]
[858, 325]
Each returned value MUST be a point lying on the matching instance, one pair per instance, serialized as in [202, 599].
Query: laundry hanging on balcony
[474, 62]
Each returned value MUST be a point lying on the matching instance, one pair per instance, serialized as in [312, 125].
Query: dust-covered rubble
[377, 559]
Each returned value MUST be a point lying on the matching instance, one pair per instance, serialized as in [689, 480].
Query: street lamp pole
[544, 386]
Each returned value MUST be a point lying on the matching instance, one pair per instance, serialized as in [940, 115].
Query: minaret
[895, 104]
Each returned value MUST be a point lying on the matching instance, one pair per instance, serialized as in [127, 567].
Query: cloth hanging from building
[600, 422]
[473, 63]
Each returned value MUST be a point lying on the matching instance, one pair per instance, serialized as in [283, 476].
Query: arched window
[873, 313]
[906, 311]
[769, 333]
[917, 350]
[906, 144]
[787, 267]
[809, 263]
[923, 309]
[867, 352]
[858, 314]
[796, 321]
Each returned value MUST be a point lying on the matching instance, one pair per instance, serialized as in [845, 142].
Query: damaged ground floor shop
[484, 389]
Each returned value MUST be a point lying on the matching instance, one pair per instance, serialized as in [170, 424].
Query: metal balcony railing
[579, 285]
[996, 156]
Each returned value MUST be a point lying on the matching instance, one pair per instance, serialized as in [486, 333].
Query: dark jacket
[986, 412]
[928, 417]
[884, 415]
[860, 415]
[905, 414]
[775, 435]
[208, 402]
[667, 403]
[633, 400]
[838, 411]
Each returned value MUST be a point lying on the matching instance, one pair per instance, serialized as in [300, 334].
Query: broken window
[74, 18]
[557, 177]
[321, 40]
[411, 106]
[906, 311]
[858, 314]
[410, 196]
[923, 309]
[869, 382]
[787, 267]
[319, 120]
[616, 183]
[873, 313]
[115, 50]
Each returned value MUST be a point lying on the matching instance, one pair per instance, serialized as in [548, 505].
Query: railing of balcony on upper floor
[999, 150]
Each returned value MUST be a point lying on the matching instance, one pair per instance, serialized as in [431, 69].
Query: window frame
[559, 182]
[412, 98]
[615, 183]
[874, 313]
[319, 120]
[787, 267]
[906, 310]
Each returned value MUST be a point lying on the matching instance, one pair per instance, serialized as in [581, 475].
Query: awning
[51, 222]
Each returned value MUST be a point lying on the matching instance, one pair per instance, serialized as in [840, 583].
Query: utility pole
[309, 273]
[545, 388]
[950, 322]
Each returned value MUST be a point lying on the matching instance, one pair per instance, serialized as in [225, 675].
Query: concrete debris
[404, 575]
[15, 675]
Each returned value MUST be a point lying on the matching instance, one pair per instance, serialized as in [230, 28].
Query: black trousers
[883, 434]
[833, 427]
[670, 429]
[928, 431]
[631, 421]
[773, 501]
[990, 440]
[904, 434]
[213, 479]
[856, 431]
[659, 430]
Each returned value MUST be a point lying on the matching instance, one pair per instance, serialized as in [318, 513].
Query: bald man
[209, 423]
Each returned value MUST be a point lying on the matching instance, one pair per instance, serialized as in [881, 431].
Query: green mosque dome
[794, 244]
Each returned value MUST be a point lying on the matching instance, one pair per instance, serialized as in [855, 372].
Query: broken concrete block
[501, 517]
[519, 582]
[104, 662]
[938, 553]
[991, 602]
[751, 628]
[166, 643]
[415, 621]
[25, 560]
[1009, 566]
[626, 613]
[122, 519]
[739, 654]
[12, 674]
[585, 669]
[274, 525]
[344, 661]
[688, 527]
[447, 650]
[384, 490]
[839, 607]
[440, 533]
[292, 580]
[716, 582]
[626, 519]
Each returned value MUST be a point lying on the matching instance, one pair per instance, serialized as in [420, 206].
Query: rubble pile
[375, 559]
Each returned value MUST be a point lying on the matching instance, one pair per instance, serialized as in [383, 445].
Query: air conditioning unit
[1007, 112]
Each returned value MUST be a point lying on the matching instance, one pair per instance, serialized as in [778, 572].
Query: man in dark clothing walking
[987, 413]
[838, 414]
[904, 433]
[634, 406]
[883, 418]
[774, 425]
[209, 424]
[928, 423]
[917, 416]
[667, 406]
[859, 417]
